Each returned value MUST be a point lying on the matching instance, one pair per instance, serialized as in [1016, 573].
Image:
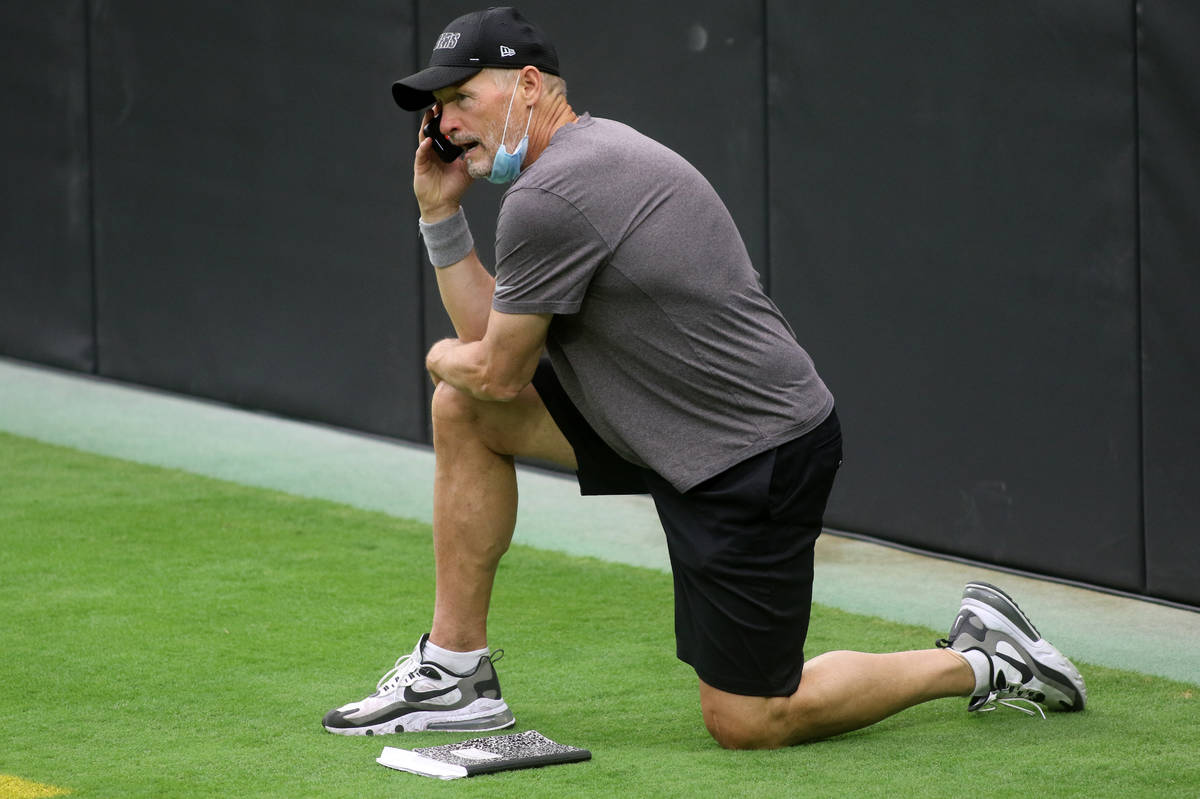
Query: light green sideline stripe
[396, 478]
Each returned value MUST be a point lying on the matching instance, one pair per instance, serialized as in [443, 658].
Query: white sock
[457, 662]
[982, 668]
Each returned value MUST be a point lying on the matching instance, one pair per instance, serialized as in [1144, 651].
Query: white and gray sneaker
[418, 694]
[1024, 666]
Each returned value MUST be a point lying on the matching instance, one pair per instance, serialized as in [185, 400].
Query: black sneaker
[418, 694]
[1024, 665]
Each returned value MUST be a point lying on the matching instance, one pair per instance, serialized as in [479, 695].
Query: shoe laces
[995, 700]
[1011, 695]
[404, 672]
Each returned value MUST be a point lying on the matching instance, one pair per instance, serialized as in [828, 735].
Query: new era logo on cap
[505, 52]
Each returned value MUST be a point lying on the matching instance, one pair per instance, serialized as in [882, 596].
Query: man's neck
[545, 124]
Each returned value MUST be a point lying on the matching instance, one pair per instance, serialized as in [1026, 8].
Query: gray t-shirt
[662, 335]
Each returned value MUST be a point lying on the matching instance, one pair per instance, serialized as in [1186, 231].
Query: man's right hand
[439, 186]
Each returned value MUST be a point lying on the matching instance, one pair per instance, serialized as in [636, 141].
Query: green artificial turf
[168, 635]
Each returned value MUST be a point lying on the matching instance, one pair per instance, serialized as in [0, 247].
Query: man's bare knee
[453, 406]
[520, 427]
[463, 423]
[739, 732]
[745, 722]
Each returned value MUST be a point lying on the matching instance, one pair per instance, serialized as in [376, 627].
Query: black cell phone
[446, 150]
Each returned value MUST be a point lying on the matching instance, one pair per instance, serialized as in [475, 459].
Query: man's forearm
[465, 286]
[466, 290]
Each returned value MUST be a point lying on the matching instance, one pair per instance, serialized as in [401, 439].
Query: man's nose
[450, 122]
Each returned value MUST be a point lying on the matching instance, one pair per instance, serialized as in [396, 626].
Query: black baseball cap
[496, 37]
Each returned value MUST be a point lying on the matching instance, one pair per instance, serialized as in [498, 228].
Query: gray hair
[552, 84]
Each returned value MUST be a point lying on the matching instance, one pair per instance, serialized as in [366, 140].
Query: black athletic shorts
[741, 547]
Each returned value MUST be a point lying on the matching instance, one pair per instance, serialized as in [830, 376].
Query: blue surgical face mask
[506, 166]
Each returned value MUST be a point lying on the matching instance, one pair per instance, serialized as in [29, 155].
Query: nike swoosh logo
[1026, 674]
[424, 696]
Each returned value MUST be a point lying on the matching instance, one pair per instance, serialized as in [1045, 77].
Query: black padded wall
[1169, 152]
[45, 225]
[253, 236]
[953, 235]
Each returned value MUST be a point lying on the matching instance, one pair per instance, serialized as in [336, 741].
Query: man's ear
[531, 84]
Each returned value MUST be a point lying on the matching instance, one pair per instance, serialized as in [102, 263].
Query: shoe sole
[482, 715]
[999, 611]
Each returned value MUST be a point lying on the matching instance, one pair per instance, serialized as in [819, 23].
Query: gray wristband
[448, 241]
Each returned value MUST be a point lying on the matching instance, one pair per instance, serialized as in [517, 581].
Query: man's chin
[478, 165]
